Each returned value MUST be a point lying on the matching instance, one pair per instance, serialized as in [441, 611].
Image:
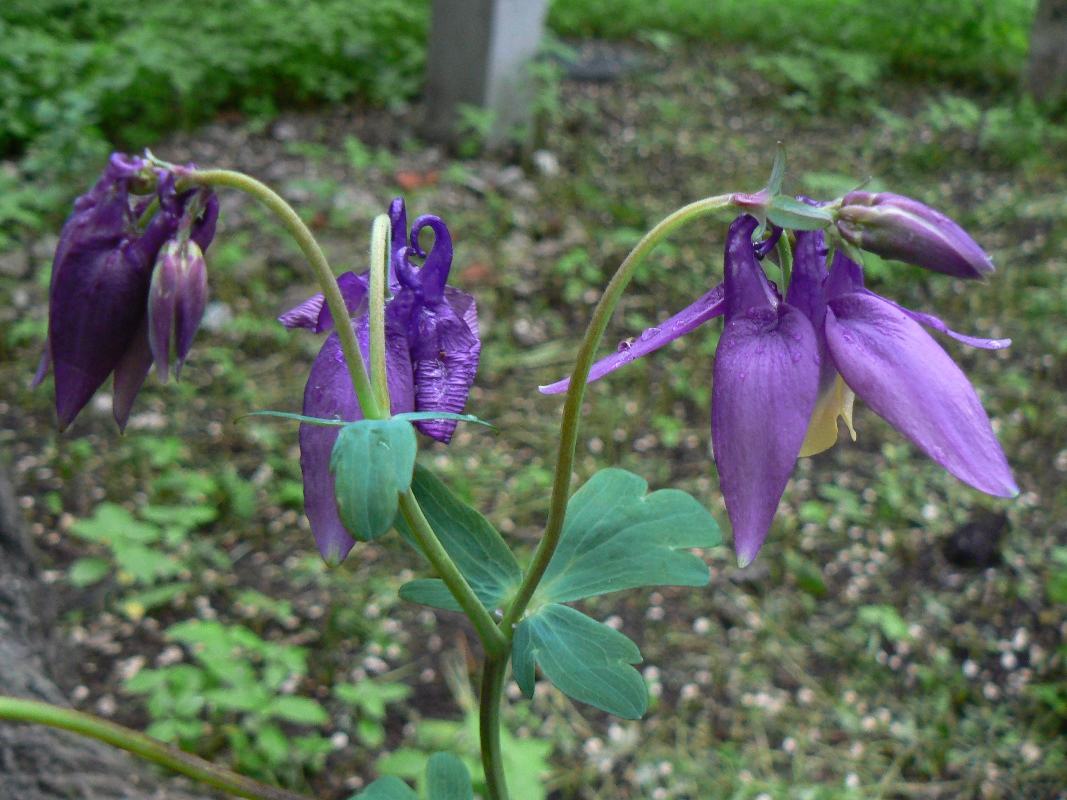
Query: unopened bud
[893, 226]
[176, 303]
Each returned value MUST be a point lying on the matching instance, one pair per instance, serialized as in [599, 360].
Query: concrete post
[479, 51]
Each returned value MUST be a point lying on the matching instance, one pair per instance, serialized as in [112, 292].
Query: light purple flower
[432, 351]
[893, 226]
[785, 370]
[99, 290]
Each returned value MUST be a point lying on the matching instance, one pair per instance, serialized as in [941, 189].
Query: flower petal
[766, 382]
[329, 394]
[314, 315]
[130, 374]
[930, 321]
[707, 307]
[444, 356]
[907, 379]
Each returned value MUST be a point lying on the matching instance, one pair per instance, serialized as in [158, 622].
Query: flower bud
[176, 301]
[893, 226]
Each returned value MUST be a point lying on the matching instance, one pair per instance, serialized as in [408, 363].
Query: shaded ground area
[852, 660]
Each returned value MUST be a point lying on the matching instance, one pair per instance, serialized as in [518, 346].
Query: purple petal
[162, 295]
[203, 229]
[314, 315]
[191, 303]
[898, 369]
[329, 394]
[130, 374]
[707, 307]
[430, 280]
[766, 383]
[444, 356]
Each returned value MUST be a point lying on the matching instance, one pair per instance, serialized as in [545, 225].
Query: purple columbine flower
[893, 226]
[785, 369]
[99, 290]
[431, 356]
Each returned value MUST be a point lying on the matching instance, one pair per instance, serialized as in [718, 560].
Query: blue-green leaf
[616, 537]
[788, 212]
[774, 185]
[372, 462]
[416, 416]
[583, 658]
[387, 788]
[447, 778]
[470, 540]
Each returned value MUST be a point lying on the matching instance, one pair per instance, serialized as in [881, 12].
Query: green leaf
[372, 462]
[447, 778]
[788, 212]
[87, 571]
[301, 710]
[387, 788]
[774, 185]
[471, 541]
[887, 619]
[616, 537]
[583, 658]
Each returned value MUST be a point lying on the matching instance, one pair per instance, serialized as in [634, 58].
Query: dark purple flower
[178, 293]
[432, 350]
[893, 226]
[785, 370]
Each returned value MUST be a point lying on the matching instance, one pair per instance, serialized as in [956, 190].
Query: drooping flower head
[100, 281]
[431, 355]
[787, 368]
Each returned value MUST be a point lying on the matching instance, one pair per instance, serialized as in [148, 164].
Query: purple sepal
[766, 382]
[314, 315]
[709, 306]
[177, 298]
[898, 369]
[329, 394]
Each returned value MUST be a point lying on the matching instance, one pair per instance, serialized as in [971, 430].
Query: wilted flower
[431, 355]
[893, 226]
[786, 369]
[99, 290]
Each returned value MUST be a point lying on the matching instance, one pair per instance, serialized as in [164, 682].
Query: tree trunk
[1047, 68]
[38, 762]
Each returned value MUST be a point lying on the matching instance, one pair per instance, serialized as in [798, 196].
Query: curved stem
[576, 393]
[17, 709]
[495, 643]
[379, 264]
[304, 238]
[493, 672]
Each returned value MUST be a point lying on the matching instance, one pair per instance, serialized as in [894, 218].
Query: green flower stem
[495, 643]
[19, 710]
[291, 220]
[493, 671]
[379, 263]
[572, 407]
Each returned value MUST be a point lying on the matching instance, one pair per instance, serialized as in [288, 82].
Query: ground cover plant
[859, 660]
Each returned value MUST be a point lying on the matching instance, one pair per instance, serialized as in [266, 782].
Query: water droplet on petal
[759, 349]
[796, 357]
[742, 375]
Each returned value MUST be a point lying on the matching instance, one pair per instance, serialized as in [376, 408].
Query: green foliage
[369, 699]
[238, 686]
[470, 540]
[818, 76]
[616, 537]
[372, 462]
[583, 658]
[1057, 582]
[981, 41]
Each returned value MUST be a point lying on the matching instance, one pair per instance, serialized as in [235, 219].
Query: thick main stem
[493, 672]
[17, 709]
[576, 393]
[368, 403]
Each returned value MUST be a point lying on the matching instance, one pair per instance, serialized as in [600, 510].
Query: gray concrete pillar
[479, 51]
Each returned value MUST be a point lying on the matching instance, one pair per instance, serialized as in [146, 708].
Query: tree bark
[38, 762]
[1047, 68]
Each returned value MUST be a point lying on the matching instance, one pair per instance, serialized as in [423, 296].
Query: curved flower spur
[786, 369]
[431, 354]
